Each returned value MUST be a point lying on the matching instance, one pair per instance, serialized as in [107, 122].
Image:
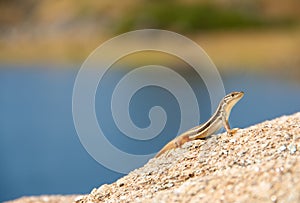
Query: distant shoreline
[232, 49]
[273, 52]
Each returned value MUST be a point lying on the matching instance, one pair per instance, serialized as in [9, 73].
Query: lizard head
[231, 99]
[234, 96]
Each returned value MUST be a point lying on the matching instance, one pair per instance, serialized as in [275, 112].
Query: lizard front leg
[227, 127]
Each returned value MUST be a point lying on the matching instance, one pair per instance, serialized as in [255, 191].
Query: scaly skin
[219, 119]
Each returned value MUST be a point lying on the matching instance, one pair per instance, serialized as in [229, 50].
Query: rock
[261, 164]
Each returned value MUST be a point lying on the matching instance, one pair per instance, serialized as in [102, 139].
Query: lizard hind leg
[171, 145]
[181, 140]
[176, 143]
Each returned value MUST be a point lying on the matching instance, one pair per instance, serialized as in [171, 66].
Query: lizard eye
[232, 95]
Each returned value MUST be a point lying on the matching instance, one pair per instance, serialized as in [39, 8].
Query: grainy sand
[257, 164]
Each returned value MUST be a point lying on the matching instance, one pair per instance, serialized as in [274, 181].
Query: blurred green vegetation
[178, 15]
[248, 33]
[189, 18]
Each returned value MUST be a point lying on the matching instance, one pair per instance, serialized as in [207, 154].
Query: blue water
[40, 152]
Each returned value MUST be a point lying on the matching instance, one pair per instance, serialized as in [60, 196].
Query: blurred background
[255, 45]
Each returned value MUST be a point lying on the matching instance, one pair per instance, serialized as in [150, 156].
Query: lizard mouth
[236, 95]
[240, 95]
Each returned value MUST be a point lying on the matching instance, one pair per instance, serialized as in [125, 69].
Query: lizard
[215, 123]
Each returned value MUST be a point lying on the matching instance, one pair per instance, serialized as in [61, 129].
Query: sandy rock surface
[257, 164]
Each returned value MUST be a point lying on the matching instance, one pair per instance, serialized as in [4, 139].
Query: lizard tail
[167, 147]
[177, 142]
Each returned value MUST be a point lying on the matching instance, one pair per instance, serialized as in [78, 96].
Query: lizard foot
[233, 131]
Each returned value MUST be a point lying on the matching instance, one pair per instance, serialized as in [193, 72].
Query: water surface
[40, 152]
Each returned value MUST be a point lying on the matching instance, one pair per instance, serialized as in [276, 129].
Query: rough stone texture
[257, 164]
